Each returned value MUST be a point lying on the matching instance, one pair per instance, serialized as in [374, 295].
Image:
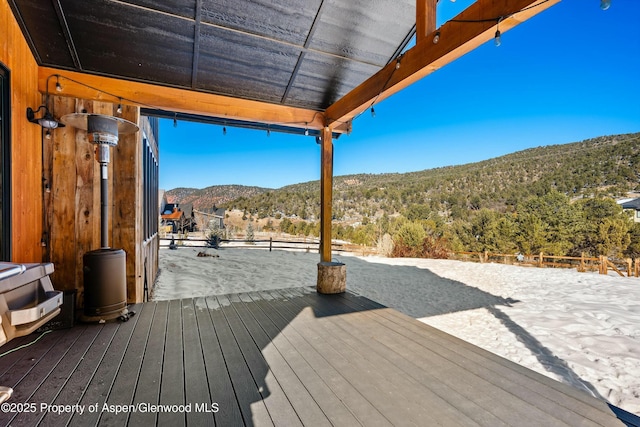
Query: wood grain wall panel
[26, 149]
[61, 209]
[75, 209]
[127, 196]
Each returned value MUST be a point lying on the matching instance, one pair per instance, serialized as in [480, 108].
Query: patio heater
[105, 271]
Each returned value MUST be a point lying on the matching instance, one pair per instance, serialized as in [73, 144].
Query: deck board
[99, 385]
[220, 386]
[544, 391]
[196, 390]
[280, 410]
[148, 388]
[172, 379]
[282, 357]
[59, 374]
[79, 379]
[128, 373]
[307, 412]
[320, 379]
[433, 368]
[250, 401]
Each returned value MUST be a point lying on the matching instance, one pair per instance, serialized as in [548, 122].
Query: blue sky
[568, 74]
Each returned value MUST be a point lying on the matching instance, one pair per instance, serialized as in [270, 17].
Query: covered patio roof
[292, 63]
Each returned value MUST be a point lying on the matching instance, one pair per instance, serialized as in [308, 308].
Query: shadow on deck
[280, 357]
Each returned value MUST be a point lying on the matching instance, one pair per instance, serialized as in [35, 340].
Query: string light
[605, 4]
[498, 37]
[306, 129]
[398, 62]
[268, 132]
[373, 112]
[136, 102]
[224, 130]
[119, 109]
[436, 38]
[47, 134]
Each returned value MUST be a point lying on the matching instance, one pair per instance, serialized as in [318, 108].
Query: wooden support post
[326, 194]
[629, 265]
[425, 19]
[636, 265]
[332, 276]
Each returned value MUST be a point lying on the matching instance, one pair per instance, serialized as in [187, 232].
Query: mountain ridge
[607, 165]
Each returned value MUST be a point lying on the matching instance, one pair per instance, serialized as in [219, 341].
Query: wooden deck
[283, 358]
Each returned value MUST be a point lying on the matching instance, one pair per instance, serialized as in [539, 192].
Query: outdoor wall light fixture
[46, 121]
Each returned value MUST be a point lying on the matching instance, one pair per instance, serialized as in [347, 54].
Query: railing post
[603, 264]
[540, 260]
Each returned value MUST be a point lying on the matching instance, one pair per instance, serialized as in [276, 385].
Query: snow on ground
[579, 328]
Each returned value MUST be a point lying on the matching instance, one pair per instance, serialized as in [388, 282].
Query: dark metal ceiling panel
[241, 65]
[284, 20]
[322, 80]
[302, 53]
[45, 32]
[364, 30]
[120, 40]
[185, 8]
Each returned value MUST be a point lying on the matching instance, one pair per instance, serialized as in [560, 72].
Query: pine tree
[250, 233]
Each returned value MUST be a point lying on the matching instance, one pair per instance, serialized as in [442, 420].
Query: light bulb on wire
[436, 38]
[373, 112]
[498, 38]
[605, 4]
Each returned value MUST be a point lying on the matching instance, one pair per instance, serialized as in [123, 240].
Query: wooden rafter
[456, 39]
[425, 18]
[98, 88]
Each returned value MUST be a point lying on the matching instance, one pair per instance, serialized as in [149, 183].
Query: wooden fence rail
[272, 244]
[626, 267]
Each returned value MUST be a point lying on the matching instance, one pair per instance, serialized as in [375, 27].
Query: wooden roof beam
[98, 88]
[456, 39]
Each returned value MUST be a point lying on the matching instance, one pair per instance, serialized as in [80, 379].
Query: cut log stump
[332, 278]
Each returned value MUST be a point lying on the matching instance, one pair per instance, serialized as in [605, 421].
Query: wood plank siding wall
[26, 164]
[73, 204]
[55, 192]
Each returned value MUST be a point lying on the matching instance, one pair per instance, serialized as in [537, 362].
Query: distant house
[180, 218]
[631, 205]
[213, 217]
